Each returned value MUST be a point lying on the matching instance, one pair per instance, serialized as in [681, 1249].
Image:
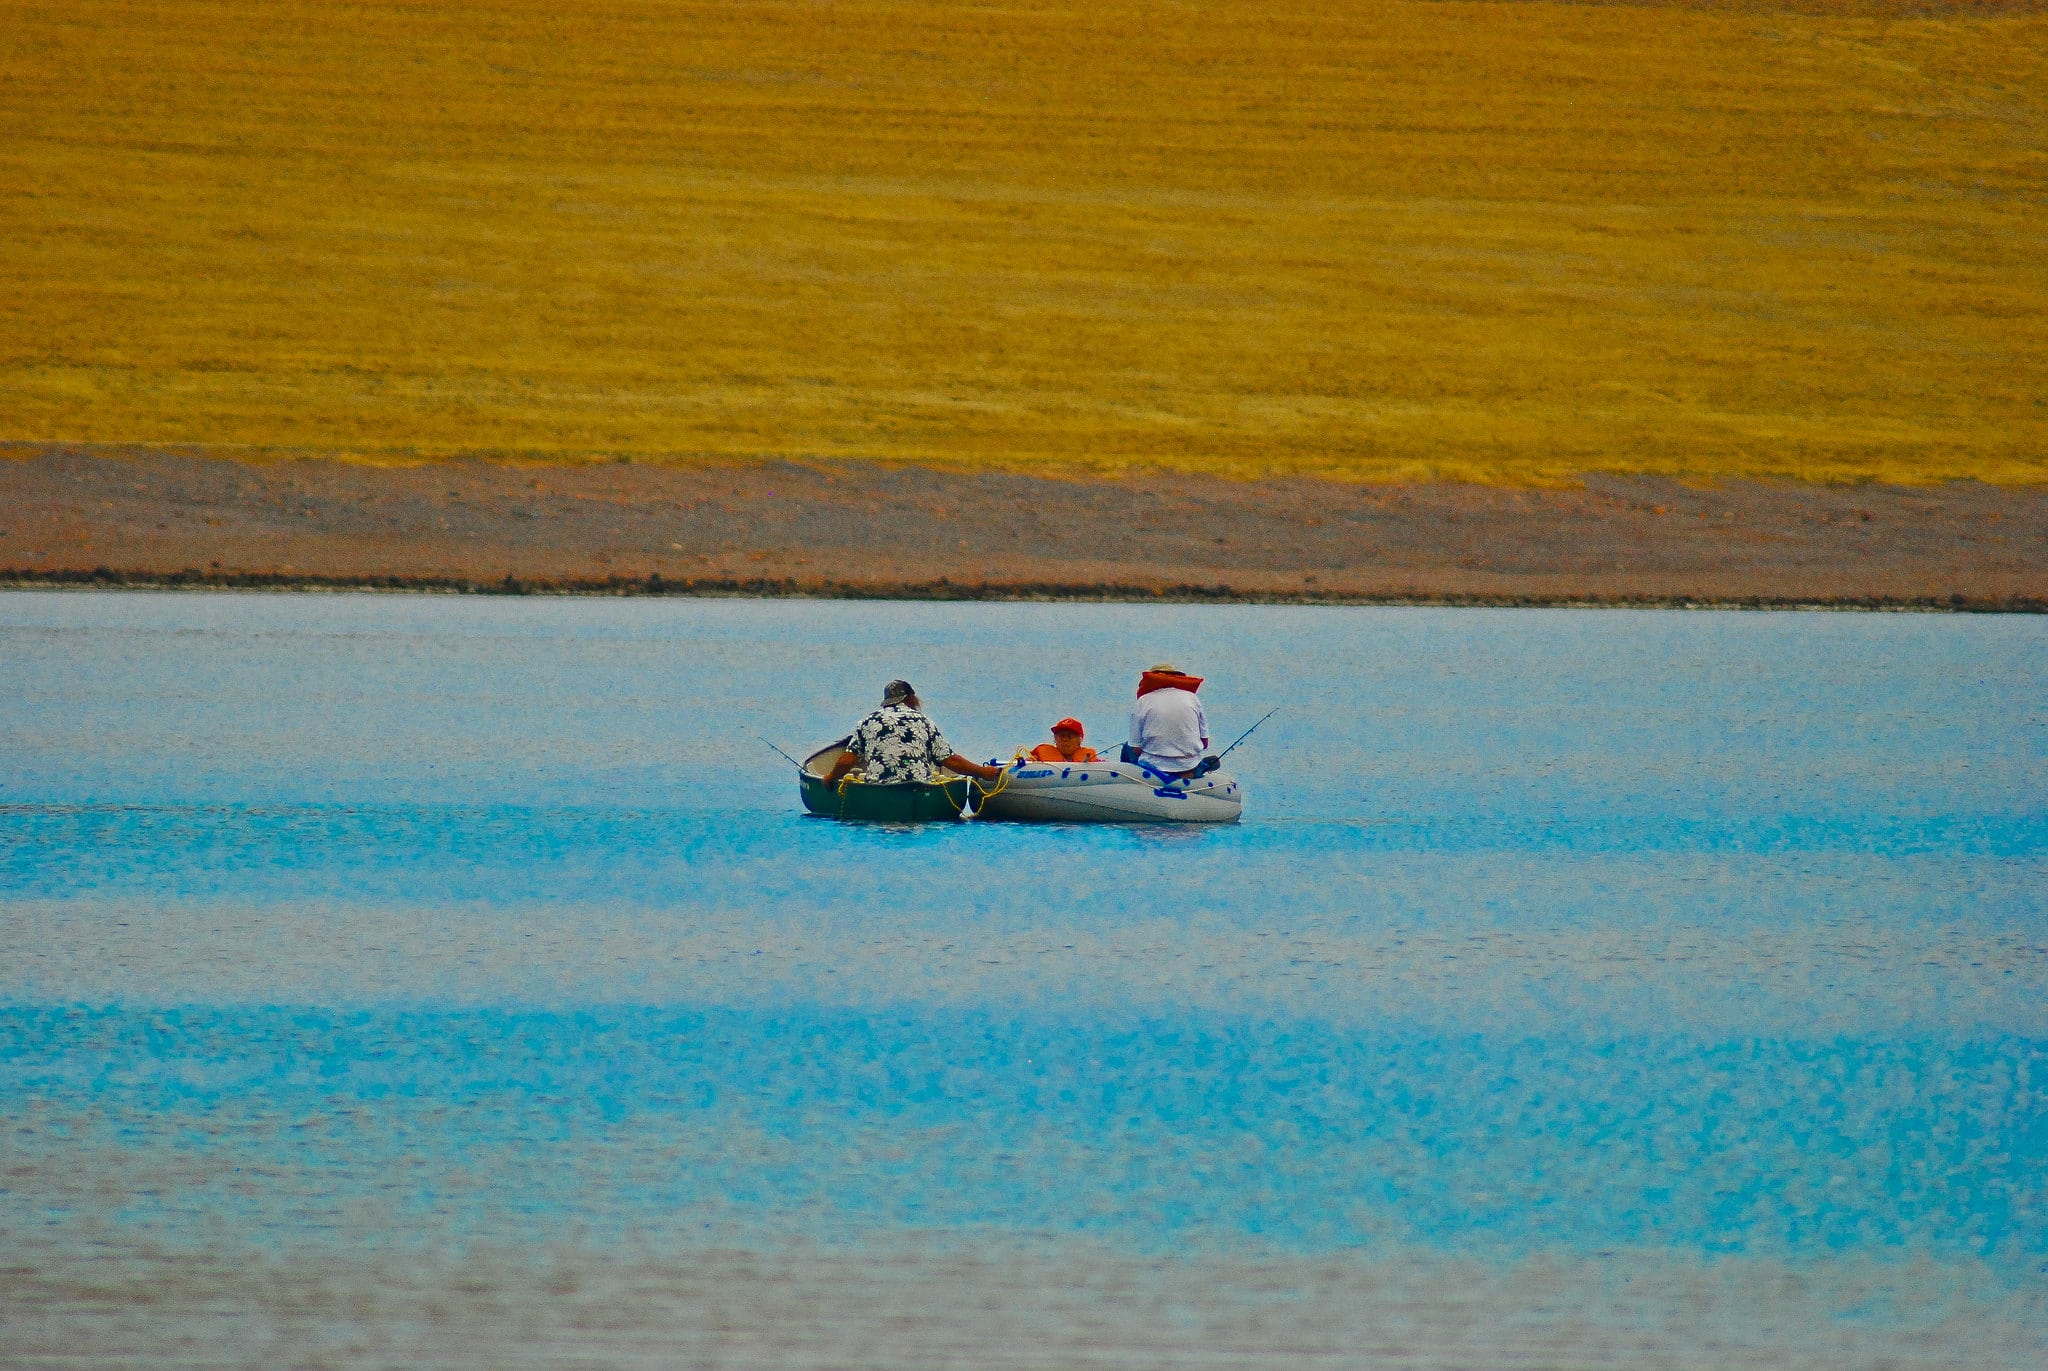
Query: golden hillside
[1376, 238]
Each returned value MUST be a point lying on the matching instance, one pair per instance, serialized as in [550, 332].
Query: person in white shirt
[1169, 731]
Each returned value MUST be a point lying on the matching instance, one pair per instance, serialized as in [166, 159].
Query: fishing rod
[1246, 734]
[784, 755]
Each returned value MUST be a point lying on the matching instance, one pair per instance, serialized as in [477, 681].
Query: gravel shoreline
[149, 517]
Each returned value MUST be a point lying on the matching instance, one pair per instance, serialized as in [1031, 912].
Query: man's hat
[1070, 726]
[896, 692]
[1167, 667]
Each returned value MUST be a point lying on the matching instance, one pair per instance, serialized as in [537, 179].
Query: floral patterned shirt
[897, 744]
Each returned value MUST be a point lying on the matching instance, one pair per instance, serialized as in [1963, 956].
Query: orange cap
[1070, 726]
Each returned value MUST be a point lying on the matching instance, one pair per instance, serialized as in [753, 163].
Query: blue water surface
[406, 922]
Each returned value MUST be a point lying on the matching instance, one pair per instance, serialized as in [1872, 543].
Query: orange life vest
[1167, 680]
[1050, 752]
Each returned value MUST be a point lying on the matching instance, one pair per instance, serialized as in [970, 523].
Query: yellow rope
[1002, 784]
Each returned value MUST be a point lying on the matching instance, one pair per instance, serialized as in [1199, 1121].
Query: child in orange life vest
[1065, 745]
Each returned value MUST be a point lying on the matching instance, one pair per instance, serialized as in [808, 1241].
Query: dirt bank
[864, 529]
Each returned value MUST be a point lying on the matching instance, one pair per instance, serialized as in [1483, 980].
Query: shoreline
[177, 519]
[659, 587]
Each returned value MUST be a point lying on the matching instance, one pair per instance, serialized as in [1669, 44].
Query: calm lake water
[444, 981]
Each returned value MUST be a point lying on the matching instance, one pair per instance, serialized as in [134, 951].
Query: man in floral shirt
[897, 744]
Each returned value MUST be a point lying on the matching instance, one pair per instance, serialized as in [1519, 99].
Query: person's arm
[942, 753]
[847, 762]
[955, 762]
[1202, 724]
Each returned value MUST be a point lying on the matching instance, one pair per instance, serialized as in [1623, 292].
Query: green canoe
[901, 804]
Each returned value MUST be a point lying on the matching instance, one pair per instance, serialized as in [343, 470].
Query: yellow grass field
[1366, 238]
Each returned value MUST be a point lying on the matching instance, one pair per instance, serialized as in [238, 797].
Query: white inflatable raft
[1110, 793]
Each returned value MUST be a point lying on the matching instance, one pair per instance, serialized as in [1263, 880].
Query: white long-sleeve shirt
[1169, 729]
